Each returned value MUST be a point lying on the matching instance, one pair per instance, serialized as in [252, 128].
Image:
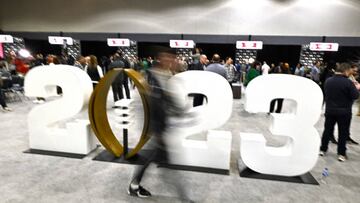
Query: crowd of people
[339, 83]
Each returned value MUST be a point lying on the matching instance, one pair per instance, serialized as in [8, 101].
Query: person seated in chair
[2, 98]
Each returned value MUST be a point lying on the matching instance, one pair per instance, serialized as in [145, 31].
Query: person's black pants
[343, 122]
[279, 105]
[126, 87]
[2, 99]
[117, 91]
[157, 154]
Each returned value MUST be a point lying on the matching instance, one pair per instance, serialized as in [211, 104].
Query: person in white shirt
[265, 69]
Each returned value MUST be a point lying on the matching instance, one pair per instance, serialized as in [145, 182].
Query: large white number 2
[299, 155]
[45, 132]
[215, 151]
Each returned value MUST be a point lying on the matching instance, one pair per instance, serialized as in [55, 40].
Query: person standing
[117, 84]
[340, 94]
[94, 70]
[352, 77]
[216, 67]
[230, 70]
[265, 68]
[125, 82]
[80, 62]
[315, 72]
[2, 97]
[253, 72]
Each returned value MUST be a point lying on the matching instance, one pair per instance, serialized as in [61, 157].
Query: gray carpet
[39, 178]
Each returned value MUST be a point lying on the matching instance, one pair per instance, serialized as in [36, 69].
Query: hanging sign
[6, 39]
[118, 42]
[187, 44]
[60, 40]
[1, 51]
[249, 44]
[319, 46]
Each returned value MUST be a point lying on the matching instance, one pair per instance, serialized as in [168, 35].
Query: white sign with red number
[60, 40]
[6, 39]
[320, 46]
[1, 51]
[118, 42]
[189, 44]
[249, 44]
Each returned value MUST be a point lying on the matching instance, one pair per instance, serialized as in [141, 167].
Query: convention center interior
[180, 101]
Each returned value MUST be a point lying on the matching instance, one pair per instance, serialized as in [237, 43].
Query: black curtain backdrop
[224, 50]
[97, 48]
[42, 46]
[146, 49]
[344, 54]
[279, 53]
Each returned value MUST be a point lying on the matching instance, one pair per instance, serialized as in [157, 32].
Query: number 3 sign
[299, 155]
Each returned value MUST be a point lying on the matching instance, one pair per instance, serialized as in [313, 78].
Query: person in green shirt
[252, 73]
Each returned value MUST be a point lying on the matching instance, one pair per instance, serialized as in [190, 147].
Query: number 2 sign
[249, 44]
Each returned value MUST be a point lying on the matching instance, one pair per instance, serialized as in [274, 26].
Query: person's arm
[99, 69]
[354, 93]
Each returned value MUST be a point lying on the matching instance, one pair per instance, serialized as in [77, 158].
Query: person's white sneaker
[41, 101]
[7, 109]
[35, 101]
[342, 158]
[322, 153]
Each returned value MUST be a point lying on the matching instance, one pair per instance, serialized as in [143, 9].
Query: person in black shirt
[340, 94]
[117, 84]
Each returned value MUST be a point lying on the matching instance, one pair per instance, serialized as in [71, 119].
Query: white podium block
[213, 153]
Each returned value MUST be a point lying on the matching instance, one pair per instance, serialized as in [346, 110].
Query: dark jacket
[118, 63]
[340, 94]
[217, 68]
[197, 66]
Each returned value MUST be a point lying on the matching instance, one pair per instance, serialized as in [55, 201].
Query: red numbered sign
[118, 42]
[60, 40]
[249, 44]
[6, 39]
[319, 46]
[182, 44]
[1, 51]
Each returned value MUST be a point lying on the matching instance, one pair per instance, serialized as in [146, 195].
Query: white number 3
[299, 155]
